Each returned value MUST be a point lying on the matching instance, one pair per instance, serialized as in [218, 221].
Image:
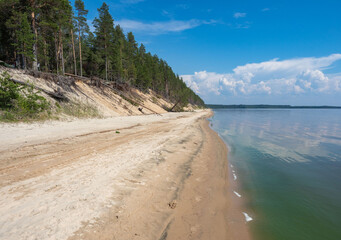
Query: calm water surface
[288, 164]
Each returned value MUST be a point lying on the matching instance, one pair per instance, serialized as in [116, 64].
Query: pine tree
[82, 28]
[24, 38]
[131, 58]
[104, 30]
[33, 9]
[117, 57]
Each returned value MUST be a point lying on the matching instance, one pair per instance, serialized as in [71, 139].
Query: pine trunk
[34, 28]
[80, 51]
[57, 52]
[23, 61]
[167, 89]
[45, 54]
[106, 62]
[106, 68]
[74, 52]
[61, 51]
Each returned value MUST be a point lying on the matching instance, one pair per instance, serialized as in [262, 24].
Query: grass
[77, 109]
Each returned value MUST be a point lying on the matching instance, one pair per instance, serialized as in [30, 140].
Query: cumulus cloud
[161, 27]
[239, 15]
[294, 76]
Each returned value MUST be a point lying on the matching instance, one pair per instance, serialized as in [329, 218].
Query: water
[288, 164]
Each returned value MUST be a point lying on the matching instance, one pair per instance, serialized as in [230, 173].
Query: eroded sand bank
[160, 177]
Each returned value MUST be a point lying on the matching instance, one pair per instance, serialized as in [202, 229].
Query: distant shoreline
[263, 106]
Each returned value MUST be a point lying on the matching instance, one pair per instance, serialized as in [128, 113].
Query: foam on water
[247, 217]
[237, 194]
[234, 177]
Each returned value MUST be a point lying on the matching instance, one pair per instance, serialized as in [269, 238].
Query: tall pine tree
[82, 27]
[104, 30]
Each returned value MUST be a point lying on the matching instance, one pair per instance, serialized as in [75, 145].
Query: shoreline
[212, 208]
[161, 177]
[237, 220]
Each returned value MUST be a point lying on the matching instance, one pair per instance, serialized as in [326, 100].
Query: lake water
[288, 166]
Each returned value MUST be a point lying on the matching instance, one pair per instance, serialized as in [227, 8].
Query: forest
[54, 36]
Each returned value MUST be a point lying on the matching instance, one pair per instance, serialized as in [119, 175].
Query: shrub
[18, 101]
[9, 91]
[30, 103]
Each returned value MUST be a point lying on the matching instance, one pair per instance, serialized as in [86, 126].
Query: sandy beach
[141, 177]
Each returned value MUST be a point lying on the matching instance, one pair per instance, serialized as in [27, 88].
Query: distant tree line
[52, 36]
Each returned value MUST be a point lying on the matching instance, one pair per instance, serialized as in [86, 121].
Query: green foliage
[9, 92]
[82, 26]
[24, 36]
[30, 103]
[18, 102]
[104, 30]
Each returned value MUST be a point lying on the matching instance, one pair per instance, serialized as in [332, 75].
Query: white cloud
[274, 77]
[161, 27]
[239, 15]
[91, 26]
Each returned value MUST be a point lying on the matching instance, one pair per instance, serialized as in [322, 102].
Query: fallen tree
[58, 94]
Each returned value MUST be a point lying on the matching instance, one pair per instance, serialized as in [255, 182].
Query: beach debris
[172, 204]
[247, 217]
[237, 194]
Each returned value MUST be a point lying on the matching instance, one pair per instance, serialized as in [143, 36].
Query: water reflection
[287, 134]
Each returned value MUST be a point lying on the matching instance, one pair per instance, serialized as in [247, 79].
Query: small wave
[233, 171]
[237, 194]
[247, 217]
[231, 166]
[234, 177]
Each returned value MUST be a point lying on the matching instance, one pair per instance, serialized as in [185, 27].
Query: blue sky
[245, 51]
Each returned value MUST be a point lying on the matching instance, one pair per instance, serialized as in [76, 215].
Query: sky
[245, 51]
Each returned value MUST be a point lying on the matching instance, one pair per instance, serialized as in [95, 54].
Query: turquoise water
[288, 164]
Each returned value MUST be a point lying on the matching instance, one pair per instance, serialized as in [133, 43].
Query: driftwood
[76, 77]
[171, 110]
[56, 95]
[64, 82]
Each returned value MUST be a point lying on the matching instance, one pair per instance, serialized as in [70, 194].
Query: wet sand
[160, 177]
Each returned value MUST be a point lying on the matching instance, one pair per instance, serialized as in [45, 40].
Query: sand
[145, 177]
